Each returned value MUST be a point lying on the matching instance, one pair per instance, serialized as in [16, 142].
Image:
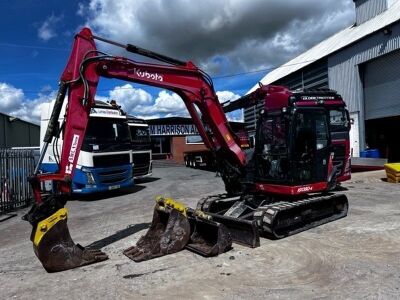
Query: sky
[236, 42]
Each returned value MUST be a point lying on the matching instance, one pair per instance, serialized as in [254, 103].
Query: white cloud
[170, 103]
[81, 9]
[130, 98]
[47, 30]
[141, 104]
[166, 104]
[15, 103]
[225, 96]
[249, 34]
[11, 97]
[134, 101]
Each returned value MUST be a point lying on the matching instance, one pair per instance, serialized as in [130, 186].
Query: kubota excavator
[267, 189]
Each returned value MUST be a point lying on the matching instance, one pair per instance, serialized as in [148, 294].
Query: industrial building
[362, 63]
[172, 137]
[15, 132]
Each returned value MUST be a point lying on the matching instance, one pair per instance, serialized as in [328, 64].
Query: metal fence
[15, 167]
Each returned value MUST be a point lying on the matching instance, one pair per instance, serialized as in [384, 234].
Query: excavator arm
[80, 78]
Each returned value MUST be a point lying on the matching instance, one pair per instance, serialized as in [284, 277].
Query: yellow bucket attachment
[55, 248]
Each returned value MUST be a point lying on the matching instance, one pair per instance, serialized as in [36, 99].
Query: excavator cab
[293, 146]
[292, 158]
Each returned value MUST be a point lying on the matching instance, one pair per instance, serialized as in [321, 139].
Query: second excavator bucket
[174, 227]
[169, 232]
[209, 238]
[55, 248]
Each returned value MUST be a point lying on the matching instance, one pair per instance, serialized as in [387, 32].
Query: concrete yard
[356, 257]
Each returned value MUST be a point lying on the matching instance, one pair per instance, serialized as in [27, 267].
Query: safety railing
[15, 167]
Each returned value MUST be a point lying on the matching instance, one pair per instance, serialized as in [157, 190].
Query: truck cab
[105, 161]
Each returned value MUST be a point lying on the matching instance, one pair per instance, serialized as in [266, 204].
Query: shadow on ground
[119, 235]
[116, 193]
[108, 194]
[340, 188]
[146, 179]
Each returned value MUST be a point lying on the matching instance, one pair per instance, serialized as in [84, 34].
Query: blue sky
[223, 37]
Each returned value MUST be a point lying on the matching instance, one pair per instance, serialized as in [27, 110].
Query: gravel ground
[356, 257]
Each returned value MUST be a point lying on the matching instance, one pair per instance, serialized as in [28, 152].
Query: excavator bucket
[175, 227]
[55, 248]
[169, 232]
[208, 238]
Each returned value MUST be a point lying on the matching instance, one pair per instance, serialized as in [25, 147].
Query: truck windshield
[139, 134]
[338, 119]
[140, 137]
[107, 134]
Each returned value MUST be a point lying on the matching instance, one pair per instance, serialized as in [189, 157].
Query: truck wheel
[187, 163]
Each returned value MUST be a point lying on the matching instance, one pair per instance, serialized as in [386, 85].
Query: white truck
[106, 159]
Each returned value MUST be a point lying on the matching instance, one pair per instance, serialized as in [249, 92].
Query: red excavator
[279, 188]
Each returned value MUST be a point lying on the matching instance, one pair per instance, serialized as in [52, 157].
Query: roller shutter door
[382, 87]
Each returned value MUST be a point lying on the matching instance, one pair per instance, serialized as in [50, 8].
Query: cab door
[310, 149]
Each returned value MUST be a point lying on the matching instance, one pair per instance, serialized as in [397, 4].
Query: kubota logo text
[148, 75]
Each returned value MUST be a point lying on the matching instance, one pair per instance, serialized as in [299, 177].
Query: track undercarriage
[274, 217]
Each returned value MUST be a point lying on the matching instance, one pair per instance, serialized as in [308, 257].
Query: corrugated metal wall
[18, 133]
[367, 9]
[382, 86]
[345, 69]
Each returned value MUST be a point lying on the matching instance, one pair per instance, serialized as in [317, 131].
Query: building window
[161, 145]
[194, 139]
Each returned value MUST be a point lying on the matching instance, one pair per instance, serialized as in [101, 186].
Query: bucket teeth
[169, 233]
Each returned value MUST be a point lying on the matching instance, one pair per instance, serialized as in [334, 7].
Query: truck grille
[114, 177]
[141, 163]
[103, 161]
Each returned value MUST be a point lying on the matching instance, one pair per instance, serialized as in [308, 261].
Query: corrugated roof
[334, 43]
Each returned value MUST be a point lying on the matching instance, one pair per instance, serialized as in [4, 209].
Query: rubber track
[300, 215]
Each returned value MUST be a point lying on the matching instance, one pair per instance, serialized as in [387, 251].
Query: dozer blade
[169, 232]
[243, 232]
[55, 248]
[209, 238]
[282, 219]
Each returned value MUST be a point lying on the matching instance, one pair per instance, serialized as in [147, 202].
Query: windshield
[107, 134]
[139, 134]
[338, 119]
[140, 137]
